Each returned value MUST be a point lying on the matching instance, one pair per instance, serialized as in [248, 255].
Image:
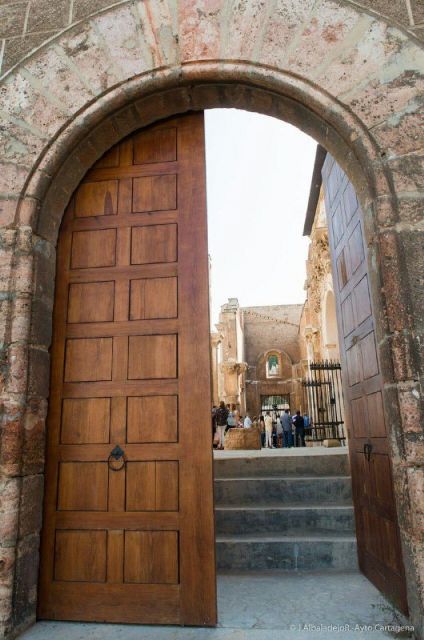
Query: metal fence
[323, 395]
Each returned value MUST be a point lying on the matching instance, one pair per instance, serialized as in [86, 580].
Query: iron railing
[323, 395]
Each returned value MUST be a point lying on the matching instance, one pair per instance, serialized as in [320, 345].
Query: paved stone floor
[267, 606]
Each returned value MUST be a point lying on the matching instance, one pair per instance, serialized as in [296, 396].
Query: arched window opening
[273, 366]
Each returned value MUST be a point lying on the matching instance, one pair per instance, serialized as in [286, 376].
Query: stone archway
[329, 325]
[340, 72]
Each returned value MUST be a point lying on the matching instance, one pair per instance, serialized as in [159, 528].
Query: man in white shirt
[268, 431]
[247, 422]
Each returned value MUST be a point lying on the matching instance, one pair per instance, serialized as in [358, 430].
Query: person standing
[279, 429]
[268, 431]
[221, 417]
[307, 425]
[262, 428]
[299, 425]
[232, 417]
[287, 429]
[247, 422]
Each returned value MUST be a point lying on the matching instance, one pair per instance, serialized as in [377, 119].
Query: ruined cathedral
[261, 356]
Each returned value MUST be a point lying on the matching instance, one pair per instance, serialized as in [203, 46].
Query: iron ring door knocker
[117, 459]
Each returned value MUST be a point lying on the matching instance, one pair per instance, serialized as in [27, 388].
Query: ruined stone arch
[342, 73]
[329, 321]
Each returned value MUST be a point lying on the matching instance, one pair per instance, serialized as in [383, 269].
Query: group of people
[283, 431]
[286, 431]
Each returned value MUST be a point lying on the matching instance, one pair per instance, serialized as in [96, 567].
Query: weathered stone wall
[270, 328]
[335, 68]
[25, 24]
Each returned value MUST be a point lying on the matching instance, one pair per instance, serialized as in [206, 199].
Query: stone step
[291, 464]
[287, 553]
[283, 490]
[287, 520]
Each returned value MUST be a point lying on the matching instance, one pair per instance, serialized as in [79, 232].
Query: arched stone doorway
[107, 77]
[329, 324]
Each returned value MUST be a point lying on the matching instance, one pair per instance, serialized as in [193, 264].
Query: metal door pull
[117, 459]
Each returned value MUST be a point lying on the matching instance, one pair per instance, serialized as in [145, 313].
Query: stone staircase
[285, 512]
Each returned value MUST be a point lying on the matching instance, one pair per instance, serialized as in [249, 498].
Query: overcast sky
[259, 171]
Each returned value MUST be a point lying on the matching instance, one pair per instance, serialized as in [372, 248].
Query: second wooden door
[379, 550]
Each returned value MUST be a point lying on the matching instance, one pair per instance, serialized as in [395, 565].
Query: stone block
[392, 10]
[26, 580]
[64, 87]
[408, 172]
[416, 496]
[392, 90]
[403, 352]
[127, 120]
[411, 208]
[412, 242]
[411, 406]
[401, 133]
[84, 8]
[45, 15]
[28, 212]
[44, 271]
[414, 449]
[10, 489]
[31, 506]
[200, 33]
[8, 208]
[128, 48]
[167, 104]
[52, 210]
[17, 362]
[86, 51]
[12, 19]
[418, 11]
[11, 438]
[17, 48]
[7, 561]
[158, 25]
[104, 136]
[39, 372]
[12, 177]
[391, 265]
[41, 323]
[34, 433]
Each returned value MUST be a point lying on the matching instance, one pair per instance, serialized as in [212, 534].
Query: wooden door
[129, 537]
[379, 551]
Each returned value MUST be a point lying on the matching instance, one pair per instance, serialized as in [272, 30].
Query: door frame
[337, 131]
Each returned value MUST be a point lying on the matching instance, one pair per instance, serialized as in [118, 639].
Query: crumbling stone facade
[245, 340]
[273, 330]
[77, 81]
[318, 324]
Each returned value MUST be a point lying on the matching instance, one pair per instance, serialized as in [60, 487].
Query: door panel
[379, 550]
[129, 537]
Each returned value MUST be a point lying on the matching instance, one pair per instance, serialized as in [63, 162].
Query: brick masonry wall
[333, 68]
